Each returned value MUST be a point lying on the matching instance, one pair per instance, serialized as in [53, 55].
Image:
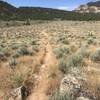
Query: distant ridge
[5, 7]
[9, 12]
[6, 10]
[96, 3]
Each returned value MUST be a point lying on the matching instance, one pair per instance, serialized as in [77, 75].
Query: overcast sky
[59, 4]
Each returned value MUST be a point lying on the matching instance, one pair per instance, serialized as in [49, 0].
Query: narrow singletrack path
[44, 82]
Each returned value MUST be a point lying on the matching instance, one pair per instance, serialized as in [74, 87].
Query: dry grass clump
[93, 83]
[17, 80]
[5, 83]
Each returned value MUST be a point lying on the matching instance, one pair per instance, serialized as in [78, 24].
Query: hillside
[9, 12]
[6, 10]
[91, 7]
[97, 4]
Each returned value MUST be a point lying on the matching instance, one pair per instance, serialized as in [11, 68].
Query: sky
[58, 4]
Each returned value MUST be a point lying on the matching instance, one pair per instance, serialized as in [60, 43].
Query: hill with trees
[9, 12]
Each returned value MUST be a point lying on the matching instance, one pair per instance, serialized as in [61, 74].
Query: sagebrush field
[54, 60]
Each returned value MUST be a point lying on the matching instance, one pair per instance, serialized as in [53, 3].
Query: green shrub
[16, 55]
[63, 39]
[75, 60]
[35, 48]
[83, 51]
[95, 56]
[7, 51]
[15, 46]
[58, 96]
[90, 40]
[2, 54]
[91, 35]
[23, 51]
[61, 51]
[12, 62]
[27, 22]
[34, 42]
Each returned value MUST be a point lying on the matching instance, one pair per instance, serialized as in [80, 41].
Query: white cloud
[67, 7]
[63, 8]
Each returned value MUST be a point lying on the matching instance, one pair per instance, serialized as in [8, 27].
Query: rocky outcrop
[17, 94]
[68, 84]
[87, 9]
[73, 86]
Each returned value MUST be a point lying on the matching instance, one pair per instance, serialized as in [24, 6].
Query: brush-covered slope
[9, 12]
[6, 10]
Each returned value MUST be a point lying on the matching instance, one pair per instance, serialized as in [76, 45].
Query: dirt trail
[43, 81]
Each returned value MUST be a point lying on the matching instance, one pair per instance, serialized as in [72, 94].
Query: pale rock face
[18, 94]
[93, 9]
[83, 7]
[87, 9]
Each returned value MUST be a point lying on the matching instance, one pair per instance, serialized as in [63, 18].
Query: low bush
[90, 40]
[95, 56]
[63, 39]
[15, 46]
[75, 60]
[12, 62]
[58, 96]
[21, 52]
[61, 51]
[83, 51]
[35, 48]
[27, 22]
[2, 55]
